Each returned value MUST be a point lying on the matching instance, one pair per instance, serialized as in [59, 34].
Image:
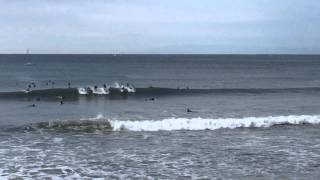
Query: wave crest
[125, 90]
[172, 124]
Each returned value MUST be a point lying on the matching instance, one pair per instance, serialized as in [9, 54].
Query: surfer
[189, 110]
[69, 85]
[61, 102]
[32, 105]
[105, 86]
[88, 90]
[151, 99]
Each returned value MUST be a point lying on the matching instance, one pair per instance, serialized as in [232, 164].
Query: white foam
[28, 64]
[106, 90]
[57, 140]
[172, 124]
[130, 89]
[117, 85]
[82, 91]
[98, 117]
[26, 91]
[99, 91]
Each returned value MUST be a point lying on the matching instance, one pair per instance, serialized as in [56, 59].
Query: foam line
[172, 124]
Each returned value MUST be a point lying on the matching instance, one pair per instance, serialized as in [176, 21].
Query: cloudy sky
[160, 26]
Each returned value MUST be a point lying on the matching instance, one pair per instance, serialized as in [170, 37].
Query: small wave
[147, 92]
[173, 124]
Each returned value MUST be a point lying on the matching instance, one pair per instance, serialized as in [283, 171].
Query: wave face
[76, 125]
[175, 124]
[147, 92]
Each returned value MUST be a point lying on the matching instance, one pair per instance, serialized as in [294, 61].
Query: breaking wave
[116, 89]
[172, 124]
[176, 124]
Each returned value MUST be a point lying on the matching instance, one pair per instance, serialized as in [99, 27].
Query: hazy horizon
[160, 27]
[205, 54]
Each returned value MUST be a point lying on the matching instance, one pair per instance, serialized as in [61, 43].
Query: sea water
[160, 116]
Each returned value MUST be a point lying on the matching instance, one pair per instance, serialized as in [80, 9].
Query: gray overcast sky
[160, 26]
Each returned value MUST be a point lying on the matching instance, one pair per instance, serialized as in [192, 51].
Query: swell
[151, 91]
[173, 124]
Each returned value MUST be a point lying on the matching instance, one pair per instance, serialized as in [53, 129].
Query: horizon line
[119, 54]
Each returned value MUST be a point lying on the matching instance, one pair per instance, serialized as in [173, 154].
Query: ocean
[159, 116]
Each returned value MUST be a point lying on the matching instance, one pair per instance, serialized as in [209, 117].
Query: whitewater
[172, 124]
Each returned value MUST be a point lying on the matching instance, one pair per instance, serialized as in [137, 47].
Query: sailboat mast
[26, 55]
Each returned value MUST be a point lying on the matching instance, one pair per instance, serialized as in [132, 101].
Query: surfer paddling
[32, 105]
[190, 111]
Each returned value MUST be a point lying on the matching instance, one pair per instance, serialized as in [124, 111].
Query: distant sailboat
[26, 58]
